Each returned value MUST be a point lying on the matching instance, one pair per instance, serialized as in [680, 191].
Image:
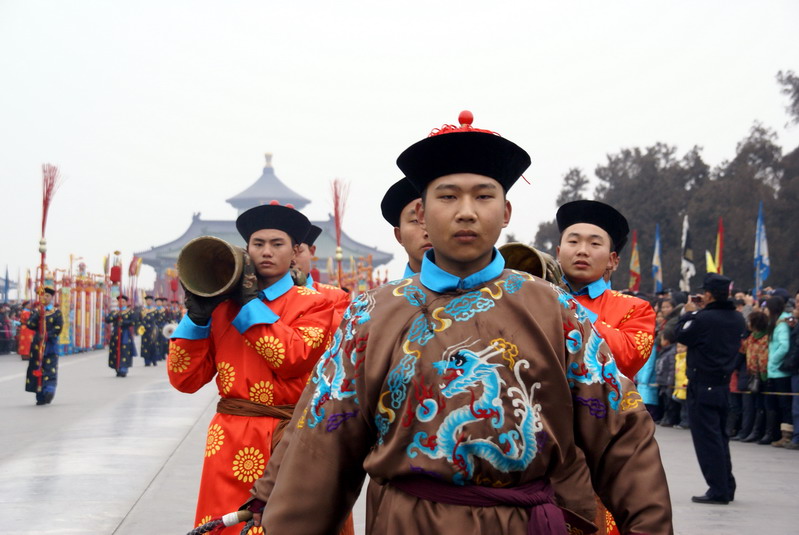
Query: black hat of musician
[313, 233]
[122, 296]
[273, 216]
[148, 296]
[396, 199]
[595, 213]
[716, 284]
[464, 149]
[49, 290]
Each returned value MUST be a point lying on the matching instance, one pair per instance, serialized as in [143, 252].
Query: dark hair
[775, 306]
[669, 335]
[758, 321]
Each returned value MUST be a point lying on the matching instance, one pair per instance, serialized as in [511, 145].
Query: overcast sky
[155, 110]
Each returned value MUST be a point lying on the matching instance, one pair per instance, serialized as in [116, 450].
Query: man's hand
[199, 309]
[248, 285]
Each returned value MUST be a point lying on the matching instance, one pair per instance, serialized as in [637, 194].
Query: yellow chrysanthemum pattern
[262, 393]
[643, 343]
[256, 531]
[304, 290]
[271, 349]
[226, 374]
[214, 440]
[178, 359]
[313, 336]
[203, 520]
[248, 464]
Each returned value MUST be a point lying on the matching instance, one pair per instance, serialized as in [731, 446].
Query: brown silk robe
[498, 384]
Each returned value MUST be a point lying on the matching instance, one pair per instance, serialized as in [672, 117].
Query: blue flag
[762, 262]
[5, 287]
[657, 269]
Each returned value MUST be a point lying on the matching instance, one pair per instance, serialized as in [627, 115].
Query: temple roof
[267, 188]
[166, 255]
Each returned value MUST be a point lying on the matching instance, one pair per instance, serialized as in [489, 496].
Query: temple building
[267, 188]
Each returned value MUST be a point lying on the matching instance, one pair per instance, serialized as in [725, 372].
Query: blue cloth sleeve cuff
[254, 313]
[188, 330]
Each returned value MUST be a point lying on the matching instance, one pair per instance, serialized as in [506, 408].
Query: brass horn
[209, 266]
[522, 257]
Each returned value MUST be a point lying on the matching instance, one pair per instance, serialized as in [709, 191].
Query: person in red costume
[259, 345]
[592, 236]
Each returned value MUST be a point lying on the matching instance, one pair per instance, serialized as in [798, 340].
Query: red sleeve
[631, 341]
[190, 364]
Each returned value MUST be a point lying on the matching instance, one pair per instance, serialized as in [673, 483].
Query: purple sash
[536, 496]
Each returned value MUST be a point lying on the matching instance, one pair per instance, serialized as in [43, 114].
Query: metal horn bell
[522, 257]
[209, 266]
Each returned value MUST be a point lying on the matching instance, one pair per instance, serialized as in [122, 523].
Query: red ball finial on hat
[274, 203]
[289, 205]
[465, 118]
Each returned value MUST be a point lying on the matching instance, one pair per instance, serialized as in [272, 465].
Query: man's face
[48, 298]
[149, 302]
[412, 236]
[303, 257]
[463, 215]
[584, 254]
[123, 302]
[271, 252]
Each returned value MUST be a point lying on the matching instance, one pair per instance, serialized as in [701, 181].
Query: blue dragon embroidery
[463, 371]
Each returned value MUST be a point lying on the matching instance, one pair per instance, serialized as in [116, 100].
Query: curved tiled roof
[267, 188]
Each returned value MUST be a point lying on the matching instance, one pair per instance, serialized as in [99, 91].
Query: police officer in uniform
[711, 329]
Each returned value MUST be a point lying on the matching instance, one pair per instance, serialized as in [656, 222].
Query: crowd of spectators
[764, 385]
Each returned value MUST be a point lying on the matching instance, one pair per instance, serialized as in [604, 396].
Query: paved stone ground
[123, 456]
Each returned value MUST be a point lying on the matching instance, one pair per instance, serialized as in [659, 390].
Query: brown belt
[245, 407]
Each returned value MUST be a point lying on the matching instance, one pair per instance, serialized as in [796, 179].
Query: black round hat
[463, 149]
[273, 216]
[596, 213]
[313, 233]
[396, 199]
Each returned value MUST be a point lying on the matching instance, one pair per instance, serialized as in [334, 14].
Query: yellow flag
[711, 265]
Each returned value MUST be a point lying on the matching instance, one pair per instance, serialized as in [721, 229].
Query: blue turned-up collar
[308, 281]
[277, 289]
[594, 290]
[438, 280]
[408, 272]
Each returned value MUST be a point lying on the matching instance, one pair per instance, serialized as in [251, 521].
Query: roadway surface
[123, 456]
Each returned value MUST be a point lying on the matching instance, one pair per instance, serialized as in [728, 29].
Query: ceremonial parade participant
[399, 209]
[462, 389]
[260, 346]
[42, 374]
[163, 317]
[25, 334]
[148, 323]
[592, 234]
[121, 347]
[302, 262]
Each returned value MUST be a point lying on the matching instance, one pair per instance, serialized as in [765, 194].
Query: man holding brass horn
[259, 342]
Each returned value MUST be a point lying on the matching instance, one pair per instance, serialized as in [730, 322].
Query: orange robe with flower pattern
[25, 335]
[627, 324]
[268, 364]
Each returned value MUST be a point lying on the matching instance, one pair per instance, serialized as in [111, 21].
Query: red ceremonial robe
[262, 353]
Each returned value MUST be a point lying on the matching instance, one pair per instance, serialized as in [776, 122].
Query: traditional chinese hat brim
[313, 233]
[595, 213]
[273, 216]
[398, 196]
[480, 153]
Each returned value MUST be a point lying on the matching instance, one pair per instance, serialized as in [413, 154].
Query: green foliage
[790, 87]
[657, 186]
